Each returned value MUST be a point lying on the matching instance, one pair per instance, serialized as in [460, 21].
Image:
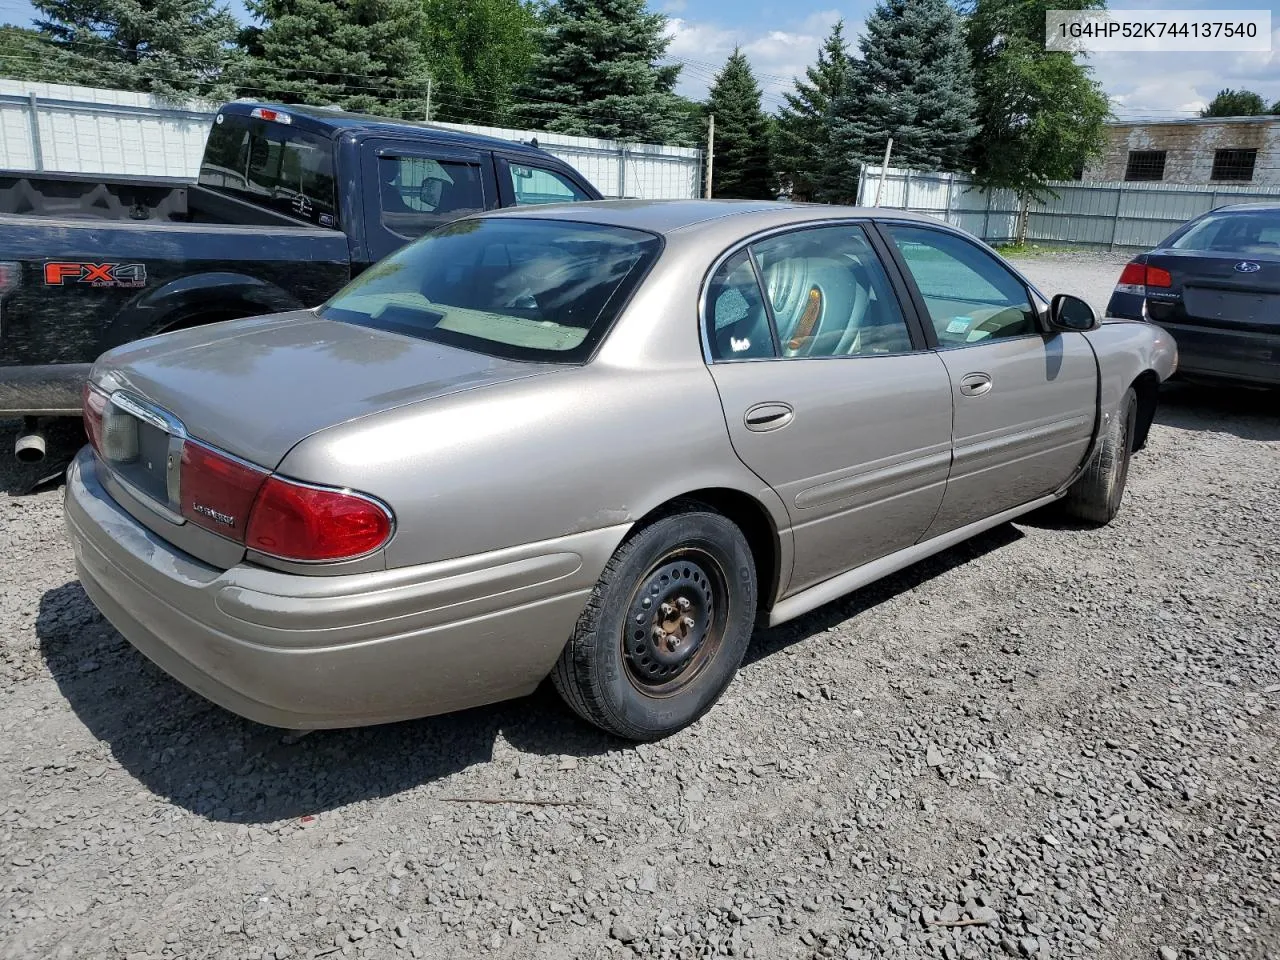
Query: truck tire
[1095, 497]
[665, 628]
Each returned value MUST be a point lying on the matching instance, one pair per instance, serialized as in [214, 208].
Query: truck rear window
[272, 165]
[520, 288]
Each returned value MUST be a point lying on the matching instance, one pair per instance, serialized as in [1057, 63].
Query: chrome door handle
[768, 416]
[975, 384]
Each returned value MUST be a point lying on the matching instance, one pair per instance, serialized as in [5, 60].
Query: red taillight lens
[296, 522]
[93, 404]
[217, 491]
[1158, 278]
[1133, 274]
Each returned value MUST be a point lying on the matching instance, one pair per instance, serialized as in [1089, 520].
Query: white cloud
[776, 55]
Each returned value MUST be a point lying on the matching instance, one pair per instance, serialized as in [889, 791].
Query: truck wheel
[1095, 497]
[665, 628]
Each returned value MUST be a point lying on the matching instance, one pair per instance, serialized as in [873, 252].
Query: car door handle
[768, 416]
[975, 384]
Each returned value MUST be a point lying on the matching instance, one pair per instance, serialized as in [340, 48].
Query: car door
[410, 189]
[1024, 400]
[830, 394]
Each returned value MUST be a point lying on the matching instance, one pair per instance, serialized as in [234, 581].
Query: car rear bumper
[306, 652]
[1240, 355]
[47, 390]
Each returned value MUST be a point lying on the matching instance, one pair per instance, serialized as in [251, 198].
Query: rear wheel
[1095, 497]
[665, 628]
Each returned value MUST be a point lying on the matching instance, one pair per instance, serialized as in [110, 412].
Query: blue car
[1214, 285]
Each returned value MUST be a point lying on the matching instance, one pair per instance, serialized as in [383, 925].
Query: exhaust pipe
[30, 447]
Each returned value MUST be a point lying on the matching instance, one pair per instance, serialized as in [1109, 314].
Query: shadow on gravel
[1249, 414]
[213, 763]
[768, 641]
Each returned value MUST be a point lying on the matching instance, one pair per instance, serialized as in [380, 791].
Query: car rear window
[1255, 233]
[521, 288]
[272, 165]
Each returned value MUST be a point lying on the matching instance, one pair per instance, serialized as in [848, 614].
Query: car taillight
[1136, 277]
[295, 521]
[93, 404]
[218, 491]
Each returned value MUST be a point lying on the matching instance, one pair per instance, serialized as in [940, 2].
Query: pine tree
[741, 165]
[1042, 113]
[478, 51]
[804, 135]
[914, 83]
[364, 56]
[596, 74]
[172, 48]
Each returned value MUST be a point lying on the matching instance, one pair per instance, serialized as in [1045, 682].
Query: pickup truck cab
[291, 202]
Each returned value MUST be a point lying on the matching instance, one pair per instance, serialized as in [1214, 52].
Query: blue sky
[782, 38]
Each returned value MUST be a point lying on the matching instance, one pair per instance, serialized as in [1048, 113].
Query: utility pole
[884, 168]
[428, 99]
[711, 149]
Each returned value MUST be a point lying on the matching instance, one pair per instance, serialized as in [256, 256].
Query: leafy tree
[741, 166]
[804, 135]
[1235, 103]
[914, 84]
[1042, 113]
[596, 73]
[172, 48]
[1275, 109]
[361, 55]
[477, 52]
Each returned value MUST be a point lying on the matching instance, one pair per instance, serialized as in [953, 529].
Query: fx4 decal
[96, 274]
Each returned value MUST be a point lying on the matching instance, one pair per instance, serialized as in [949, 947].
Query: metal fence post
[906, 192]
[986, 217]
[622, 171]
[36, 149]
[1115, 221]
[951, 182]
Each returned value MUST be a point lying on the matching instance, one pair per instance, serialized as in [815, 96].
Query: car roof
[1261, 206]
[669, 216]
[330, 122]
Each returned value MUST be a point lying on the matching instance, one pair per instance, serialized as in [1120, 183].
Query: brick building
[1213, 150]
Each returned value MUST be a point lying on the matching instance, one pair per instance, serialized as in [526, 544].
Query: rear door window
[272, 165]
[418, 193]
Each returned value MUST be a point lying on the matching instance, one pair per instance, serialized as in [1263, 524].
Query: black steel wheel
[665, 628]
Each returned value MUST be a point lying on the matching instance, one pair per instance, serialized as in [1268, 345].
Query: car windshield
[521, 288]
[1256, 234]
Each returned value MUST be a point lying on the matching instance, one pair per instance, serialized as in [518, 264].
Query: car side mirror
[1071, 314]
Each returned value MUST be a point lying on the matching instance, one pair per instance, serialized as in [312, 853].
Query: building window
[1233, 164]
[1145, 165]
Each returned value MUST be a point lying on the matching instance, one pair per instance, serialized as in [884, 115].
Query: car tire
[634, 666]
[1095, 497]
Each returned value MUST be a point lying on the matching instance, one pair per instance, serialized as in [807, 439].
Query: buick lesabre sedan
[598, 442]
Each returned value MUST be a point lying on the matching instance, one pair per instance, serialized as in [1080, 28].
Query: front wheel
[665, 628]
[1095, 497]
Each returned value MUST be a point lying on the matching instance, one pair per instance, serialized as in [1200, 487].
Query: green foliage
[1236, 103]
[360, 55]
[914, 84]
[803, 140]
[172, 48]
[1042, 113]
[27, 55]
[596, 74]
[741, 165]
[478, 51]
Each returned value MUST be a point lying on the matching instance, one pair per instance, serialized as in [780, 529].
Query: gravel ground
[1089, 274]
[1045, 743]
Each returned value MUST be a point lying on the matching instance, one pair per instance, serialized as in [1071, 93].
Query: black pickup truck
[291, 202]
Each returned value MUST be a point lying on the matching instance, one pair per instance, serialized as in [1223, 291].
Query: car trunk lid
[253, 389]
[1216, 289]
